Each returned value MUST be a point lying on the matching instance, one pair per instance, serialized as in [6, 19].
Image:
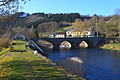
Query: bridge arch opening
[65, 44]
[46, 44]
[84, 44]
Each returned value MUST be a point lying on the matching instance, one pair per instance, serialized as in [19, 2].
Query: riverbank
[22, 64]
[112, 46]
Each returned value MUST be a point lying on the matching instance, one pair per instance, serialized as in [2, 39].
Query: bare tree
[4, 2]
[7, 9]
[48, 27]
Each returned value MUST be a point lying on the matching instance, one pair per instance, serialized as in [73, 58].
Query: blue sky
[84, 7]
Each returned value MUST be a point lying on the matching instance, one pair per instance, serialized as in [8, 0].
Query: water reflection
[65, 45]
[98, 64]
[73, 65]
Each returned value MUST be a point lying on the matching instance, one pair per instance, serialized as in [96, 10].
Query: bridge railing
[35, 44]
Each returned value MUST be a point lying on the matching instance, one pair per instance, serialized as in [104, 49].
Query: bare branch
[3, 2]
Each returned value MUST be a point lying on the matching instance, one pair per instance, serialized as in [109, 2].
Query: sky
[84, 7]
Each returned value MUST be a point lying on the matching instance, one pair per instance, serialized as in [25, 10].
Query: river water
[98, 64]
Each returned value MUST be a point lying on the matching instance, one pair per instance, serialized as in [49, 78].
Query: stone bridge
[91, 41]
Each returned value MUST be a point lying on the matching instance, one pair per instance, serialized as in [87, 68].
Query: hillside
[38, 18]
[49, 23]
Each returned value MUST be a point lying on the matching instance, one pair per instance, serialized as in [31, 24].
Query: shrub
[0, 48]
[5, 42]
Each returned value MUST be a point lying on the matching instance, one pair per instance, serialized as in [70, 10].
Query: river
[98, 64]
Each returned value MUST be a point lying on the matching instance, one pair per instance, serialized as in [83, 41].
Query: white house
[57, 35]
[53, 35]
[69, 33]
[74, 32]
[60, 36]
[91, 32]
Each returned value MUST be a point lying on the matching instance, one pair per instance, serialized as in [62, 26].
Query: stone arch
[85, 44]
[46, 44]
[65, 44]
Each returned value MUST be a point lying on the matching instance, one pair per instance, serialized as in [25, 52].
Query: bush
[5, 42]
[0, 49]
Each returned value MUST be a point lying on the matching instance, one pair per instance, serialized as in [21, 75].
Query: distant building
[22, 36]
[53, 35]
[74, 32]
[91, 32]
[60, 36]
[57, 35]
[69, 33]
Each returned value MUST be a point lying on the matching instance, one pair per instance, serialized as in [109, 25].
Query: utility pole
[97, 25]
[119, 29]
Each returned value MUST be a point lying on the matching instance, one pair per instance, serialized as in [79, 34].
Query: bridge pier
[75, 45]
[56, 46]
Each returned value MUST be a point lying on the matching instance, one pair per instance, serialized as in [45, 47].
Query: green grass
[26, 66]
[112, 46]
[4, 51]
[20, 45]
[66, 28]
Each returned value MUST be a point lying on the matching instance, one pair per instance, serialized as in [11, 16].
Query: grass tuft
[112, 46]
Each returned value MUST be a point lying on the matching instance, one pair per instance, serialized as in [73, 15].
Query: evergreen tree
[33, 33]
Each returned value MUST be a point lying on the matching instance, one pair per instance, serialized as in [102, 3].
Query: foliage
[82, 25]
[33, 33]
[112, 46]
[19, 30]
[8, 8]
[5, 42]
[48, 27]
[109, 26]
[38, 18]
[64, 17]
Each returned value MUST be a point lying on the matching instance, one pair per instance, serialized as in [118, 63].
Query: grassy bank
[112, 46]
[23, 65]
